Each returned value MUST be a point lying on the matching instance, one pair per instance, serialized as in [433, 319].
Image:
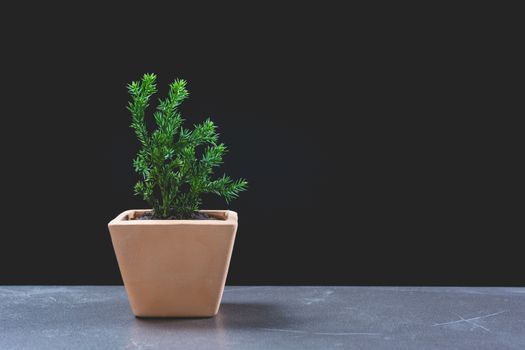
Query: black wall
[379, 149]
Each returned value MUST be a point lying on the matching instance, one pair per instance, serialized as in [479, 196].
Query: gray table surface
[98, 317]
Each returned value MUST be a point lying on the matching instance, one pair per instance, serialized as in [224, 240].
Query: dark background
[381, 145]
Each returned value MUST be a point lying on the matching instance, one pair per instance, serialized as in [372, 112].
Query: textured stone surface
[90, 317]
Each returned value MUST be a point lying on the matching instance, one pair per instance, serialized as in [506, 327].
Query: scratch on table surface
[515, 290]
[32, 291]
[318, 333]
[241, 288]
[470, 320]
[473, 323]
[136, 345]
[309, 301]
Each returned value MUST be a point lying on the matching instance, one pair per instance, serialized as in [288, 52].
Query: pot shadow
[231, 316]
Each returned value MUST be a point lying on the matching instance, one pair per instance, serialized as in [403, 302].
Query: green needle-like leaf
[173, 179]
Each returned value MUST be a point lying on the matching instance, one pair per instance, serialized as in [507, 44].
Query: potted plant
[174, 257]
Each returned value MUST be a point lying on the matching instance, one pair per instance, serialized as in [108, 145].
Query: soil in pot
[194, 216]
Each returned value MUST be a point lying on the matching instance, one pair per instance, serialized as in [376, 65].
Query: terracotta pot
[174, 268]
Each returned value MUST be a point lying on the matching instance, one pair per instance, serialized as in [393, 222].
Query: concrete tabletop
[99, 317]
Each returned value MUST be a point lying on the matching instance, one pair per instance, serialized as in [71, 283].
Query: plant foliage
[173, 177]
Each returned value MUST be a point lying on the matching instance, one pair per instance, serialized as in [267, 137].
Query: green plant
[173, 177]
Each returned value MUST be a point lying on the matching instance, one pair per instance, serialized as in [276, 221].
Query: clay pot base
[174, 268]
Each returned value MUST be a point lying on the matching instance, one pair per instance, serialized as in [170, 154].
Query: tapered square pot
[174, 268]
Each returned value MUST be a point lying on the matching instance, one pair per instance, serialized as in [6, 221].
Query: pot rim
[230, 217]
